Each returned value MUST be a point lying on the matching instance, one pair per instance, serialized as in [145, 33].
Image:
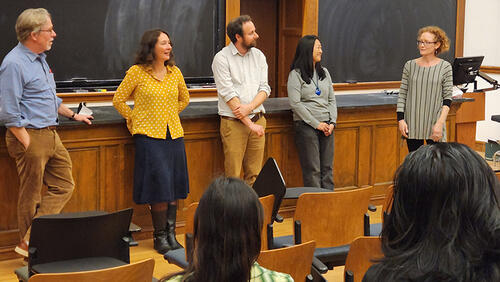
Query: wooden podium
[466, 118]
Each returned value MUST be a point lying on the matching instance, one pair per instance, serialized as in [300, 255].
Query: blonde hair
[440, 35]
[30, 20]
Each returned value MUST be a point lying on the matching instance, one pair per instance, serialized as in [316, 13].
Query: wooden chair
[331, 219]
[295, 260]
[267, 205]
[361, 255]
[141, 271]
[376, 228]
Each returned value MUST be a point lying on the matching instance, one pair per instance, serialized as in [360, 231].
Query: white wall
[482, 37]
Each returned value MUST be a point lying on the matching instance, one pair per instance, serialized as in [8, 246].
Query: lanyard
[318, 91]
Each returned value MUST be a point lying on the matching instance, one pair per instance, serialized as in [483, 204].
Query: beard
[250, 44]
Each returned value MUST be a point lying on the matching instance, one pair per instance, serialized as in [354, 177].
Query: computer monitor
[465, 69]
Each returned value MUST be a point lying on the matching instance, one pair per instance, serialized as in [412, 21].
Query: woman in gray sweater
[426, 90]
[311, 97]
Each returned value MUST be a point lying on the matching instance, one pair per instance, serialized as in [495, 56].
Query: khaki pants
[242, 149]
[46, 161]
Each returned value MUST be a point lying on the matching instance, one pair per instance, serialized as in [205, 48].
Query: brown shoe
[22, 248]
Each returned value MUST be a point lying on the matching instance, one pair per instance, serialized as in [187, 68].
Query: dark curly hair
[145, 54]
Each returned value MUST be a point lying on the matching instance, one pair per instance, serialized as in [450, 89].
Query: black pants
[414, 144]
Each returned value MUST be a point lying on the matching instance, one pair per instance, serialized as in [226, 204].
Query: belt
[255, 118]
[52, 127]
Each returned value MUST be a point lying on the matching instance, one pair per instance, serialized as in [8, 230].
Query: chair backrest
[387, 206]
[270, 181]
[332, 218]
[189, 230]
[141, 271]
[267, 205]
[295, 260]
[79, 235]
[361, 254]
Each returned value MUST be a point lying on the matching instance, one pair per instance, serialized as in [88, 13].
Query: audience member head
[149, 41]
[304, 60]
[445, 218]
[440, 38]
[227, 229]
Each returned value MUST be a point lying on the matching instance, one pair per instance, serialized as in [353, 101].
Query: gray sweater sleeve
[294, 89]
[447, 82]
[403, 89]
[332, 103]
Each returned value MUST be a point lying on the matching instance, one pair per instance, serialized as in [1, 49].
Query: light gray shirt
[241, 76]
[306, 104]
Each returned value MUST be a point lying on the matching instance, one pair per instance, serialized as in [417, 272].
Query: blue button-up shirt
[27, 90]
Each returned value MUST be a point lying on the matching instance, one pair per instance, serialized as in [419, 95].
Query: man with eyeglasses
[29, 109]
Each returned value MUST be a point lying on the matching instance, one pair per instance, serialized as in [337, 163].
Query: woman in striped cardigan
[426, 89]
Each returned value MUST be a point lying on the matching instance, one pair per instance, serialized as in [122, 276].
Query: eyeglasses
[425, 43]
[50, 30]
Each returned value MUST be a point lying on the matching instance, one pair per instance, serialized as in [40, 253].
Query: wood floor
[162, 267]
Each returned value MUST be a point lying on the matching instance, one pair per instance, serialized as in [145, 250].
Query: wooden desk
[467, 118]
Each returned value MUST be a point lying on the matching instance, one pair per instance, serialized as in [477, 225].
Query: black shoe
[171, 218]
[159, 235]
[161, 244]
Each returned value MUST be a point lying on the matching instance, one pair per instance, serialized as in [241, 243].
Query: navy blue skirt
[160, 172]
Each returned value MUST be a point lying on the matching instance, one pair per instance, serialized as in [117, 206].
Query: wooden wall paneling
[9, 183]
[292, 171]
[232, 11]
[467, 117]
[278, 129]
[289, 32]
[266, 25]
[85, 171]
[310, 17]
[346, 159]
[202, 139]
[459, 33]
[365, 155]
[113, 163]
[201, 169]
[387, 142]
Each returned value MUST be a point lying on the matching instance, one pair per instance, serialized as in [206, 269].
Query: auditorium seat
[333, 220]
[362, 252]
[73, 242]
[141, 271]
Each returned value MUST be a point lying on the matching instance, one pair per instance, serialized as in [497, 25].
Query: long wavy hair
[145, 55]
[445, 220]
[227, 229]
[303, 59]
